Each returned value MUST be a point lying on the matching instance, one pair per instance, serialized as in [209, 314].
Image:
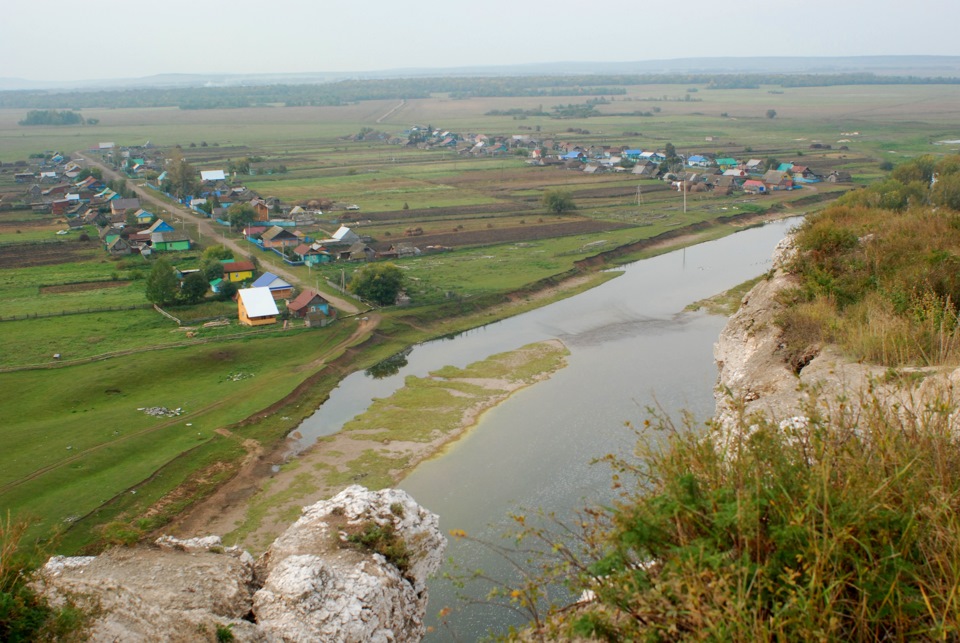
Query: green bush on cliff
[24, 614]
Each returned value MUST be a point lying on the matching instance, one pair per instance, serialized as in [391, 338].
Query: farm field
[79, 445]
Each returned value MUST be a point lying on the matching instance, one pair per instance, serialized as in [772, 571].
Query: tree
[217, 252]
[227, 290]
[211, 268]
[946, 191]
[240, 215]
[181, 176]
[771, 113]
[194, 288]
[378, 282]
[558, 201]
[161, 284]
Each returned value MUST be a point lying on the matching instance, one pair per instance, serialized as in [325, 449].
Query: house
[839, 176]
[358, 252]
[238, 271]
[256, 307]
[754, 186]
[277, 237]
[212, 175]
[159, 226]
[645, 169]
[311, 255]
[169, 241]
[143, 217]
[754, 166]
[345, 235]
[726, 163]
[777, 180]
[698, 160]
[120, 206]
[119, 247]
[261, 210]
[307, 302]
[278, 288]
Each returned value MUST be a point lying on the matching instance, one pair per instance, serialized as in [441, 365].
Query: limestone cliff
[312, 584]
[754, 373]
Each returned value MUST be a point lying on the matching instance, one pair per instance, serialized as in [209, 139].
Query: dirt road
[206, 228]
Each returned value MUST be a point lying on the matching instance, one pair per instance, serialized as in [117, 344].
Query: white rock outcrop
[753, 374]
[313, 583]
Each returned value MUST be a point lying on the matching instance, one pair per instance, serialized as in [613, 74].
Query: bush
[384, 540]
[24, 614]
[839, 526]
[883, 285]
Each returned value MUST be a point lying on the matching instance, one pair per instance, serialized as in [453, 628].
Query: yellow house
[238, 271]
[256, 307]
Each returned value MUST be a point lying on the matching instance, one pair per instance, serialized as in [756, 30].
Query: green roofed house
[169, 241]
[727, 163]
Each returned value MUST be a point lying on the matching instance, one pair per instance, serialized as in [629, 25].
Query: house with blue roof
[698, 160]
[279, 288]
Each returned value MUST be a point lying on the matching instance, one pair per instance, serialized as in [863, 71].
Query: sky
[105, 39]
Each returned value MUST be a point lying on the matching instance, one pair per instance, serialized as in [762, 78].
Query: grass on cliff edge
[879, 273]
[842, 525]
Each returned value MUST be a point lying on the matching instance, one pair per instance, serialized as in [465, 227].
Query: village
[295, 232]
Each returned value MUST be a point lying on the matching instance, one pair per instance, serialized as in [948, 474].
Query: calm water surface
[631, 347]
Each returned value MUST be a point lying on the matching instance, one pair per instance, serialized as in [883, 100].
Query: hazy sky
[70, 40]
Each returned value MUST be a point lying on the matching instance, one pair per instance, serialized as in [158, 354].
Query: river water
[631, 346]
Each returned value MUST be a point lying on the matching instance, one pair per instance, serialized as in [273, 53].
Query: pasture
[78, 448]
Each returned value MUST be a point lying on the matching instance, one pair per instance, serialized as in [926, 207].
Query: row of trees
[348, 91]
[55, 117]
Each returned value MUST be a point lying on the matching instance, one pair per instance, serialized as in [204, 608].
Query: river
[631, 346]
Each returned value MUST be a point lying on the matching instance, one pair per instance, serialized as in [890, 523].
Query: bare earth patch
[87, 285]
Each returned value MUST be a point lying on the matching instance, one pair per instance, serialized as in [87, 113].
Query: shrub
[24, 614]
[384, 540]
[883, 285]
[840, 526]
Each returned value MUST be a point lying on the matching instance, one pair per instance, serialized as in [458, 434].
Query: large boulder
[353, 568]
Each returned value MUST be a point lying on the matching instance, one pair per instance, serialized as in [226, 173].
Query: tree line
[55, 117]
[354, 90]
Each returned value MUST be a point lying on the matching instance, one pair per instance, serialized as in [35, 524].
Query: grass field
[77, 445]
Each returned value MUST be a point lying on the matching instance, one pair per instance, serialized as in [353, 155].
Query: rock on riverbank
[312, 584]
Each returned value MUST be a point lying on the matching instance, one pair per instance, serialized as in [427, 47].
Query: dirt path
[393, 110]
[206, 228]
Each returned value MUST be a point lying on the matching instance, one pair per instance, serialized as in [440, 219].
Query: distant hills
[925, 66]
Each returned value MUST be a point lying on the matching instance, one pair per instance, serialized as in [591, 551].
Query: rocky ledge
[324, 579]
[754, 376]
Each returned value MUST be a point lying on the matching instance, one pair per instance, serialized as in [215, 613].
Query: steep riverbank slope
[754, 376]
